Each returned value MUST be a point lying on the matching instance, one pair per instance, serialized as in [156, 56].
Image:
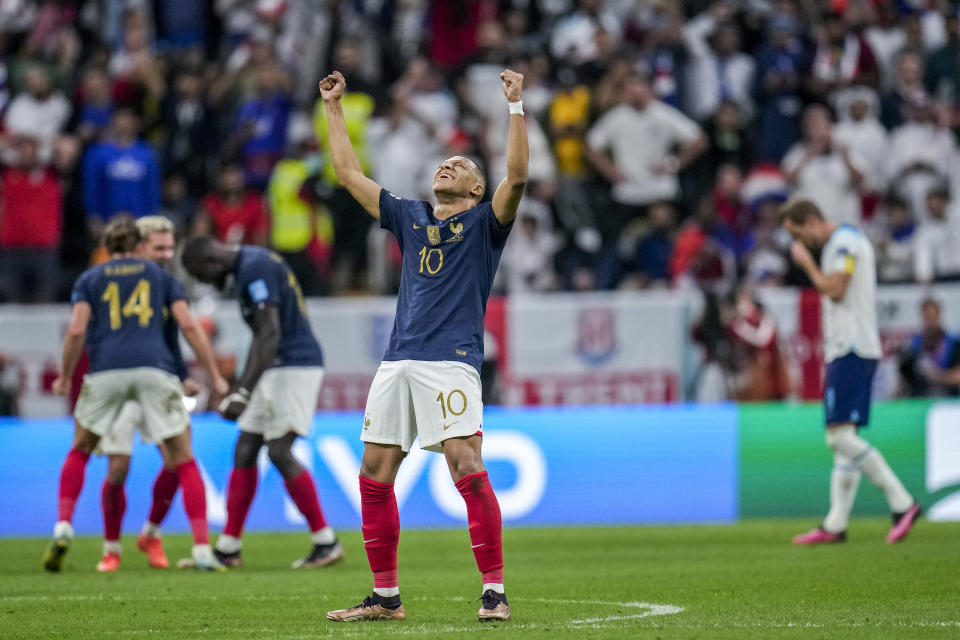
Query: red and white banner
[558, 349]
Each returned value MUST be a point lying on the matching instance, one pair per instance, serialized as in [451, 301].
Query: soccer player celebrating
[119, 310]
[157, 245]
[428, 384]
[847, 280]
[277, 394]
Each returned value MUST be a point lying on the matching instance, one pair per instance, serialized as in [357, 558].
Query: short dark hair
[195, 250]
[799, 210]
[121, 235]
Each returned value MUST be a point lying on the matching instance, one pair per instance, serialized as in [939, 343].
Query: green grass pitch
[740, 581]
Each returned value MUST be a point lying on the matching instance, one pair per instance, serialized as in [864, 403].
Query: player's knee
[246, 451]
[117, 469]
[282, 458]
[843, 439]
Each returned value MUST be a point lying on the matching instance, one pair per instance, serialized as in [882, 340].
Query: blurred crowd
[663, 134]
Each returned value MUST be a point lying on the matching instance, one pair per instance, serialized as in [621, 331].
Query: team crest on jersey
[457, 229]
[596, 335]
[433, 234]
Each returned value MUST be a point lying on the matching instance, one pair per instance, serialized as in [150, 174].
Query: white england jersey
[851, 323]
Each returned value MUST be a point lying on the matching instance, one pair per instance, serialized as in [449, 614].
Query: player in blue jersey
[119, 311]
[157, 245]
[277, 394]
[428, 385]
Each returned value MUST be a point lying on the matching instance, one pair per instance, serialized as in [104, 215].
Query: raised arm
[506, 198]
[345, 163]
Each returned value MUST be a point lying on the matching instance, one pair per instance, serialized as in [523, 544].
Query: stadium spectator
[920, 153]
[930, 362]
[937, 253]
[719, 72]
[641, 135]
[895, 240]
[841, 59]
[232, 213]
[860, 131]
[31, 220]
[647, 253]
[781, 65]
[39, 112]
[259, 132]
[942, 76]
[824, 170]
[907, 87]
[574, 38]
[190, 132]
[527, 260]
[136, 71]
[92, 116]
[120, 174]
[760, 372]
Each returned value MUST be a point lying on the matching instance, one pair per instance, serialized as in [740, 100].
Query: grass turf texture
[742, 581]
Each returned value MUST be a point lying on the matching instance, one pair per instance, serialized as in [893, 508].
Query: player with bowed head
[119, 312]
[847, 281]
[277, 394]
[428, 384]
[157, 245]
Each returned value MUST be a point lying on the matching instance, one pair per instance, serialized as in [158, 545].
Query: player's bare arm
[345, 163]
[263, 351]
[198, 341]
[72, 347]
[833, 285]
[506, 198]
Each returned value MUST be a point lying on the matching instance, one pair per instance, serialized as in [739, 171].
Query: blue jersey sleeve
[81, 291]
[498, 232]
[259, 284]
[174, 290]
[391, 211]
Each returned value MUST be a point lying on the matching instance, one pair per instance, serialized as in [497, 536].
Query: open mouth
[441, 176]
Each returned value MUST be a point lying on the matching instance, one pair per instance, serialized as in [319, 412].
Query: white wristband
[516, 108]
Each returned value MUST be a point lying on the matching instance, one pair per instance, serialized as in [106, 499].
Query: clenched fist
[512, 85]
[333, 86]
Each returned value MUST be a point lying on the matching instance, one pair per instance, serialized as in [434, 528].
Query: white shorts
[159, 395]
[433, 400]
[119, 439]
[284, 400]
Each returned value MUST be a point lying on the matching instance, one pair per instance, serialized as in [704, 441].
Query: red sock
[304, 494]
[483, 514]
[71, 482]
[113, 499]
[240, 491]
[194, 500]
[164, 488]
[381, 531]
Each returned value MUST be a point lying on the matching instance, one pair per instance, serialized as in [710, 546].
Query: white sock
[387, 593]
[229, 544]
[879, 473]
[63, 529]
[202, 551]
[493, 586]
[323, 536]
[844, 440]
[844, 481]
[150, 530]
[112, 547]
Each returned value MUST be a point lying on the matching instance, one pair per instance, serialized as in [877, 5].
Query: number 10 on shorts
[454, 403]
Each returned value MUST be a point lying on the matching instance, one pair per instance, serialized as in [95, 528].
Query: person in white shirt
[824, 170]
[719, 71]
[937, 247]
[648, 142]
[39, 112]
[847, 280]
[860, 131]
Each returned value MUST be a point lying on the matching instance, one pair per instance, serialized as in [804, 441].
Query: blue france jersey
[448, 269]
[263, 278]
[130, 303]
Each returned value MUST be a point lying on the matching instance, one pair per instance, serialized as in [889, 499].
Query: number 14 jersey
[448, 269]
[130, 303]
